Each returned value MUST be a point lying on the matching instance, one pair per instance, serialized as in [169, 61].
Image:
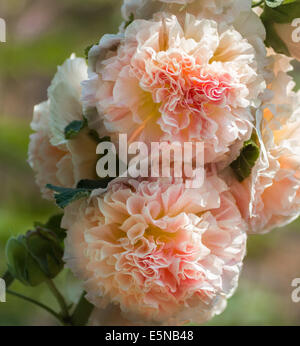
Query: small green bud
[35, 257]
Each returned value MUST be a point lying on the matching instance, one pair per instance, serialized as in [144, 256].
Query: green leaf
[94, 134]
[288, 1]
[130, 20]
[282, 14]
[72, 130]
[87, 50]
[273, 40]
[94, 184]
[243, 165]
[64, 196]
[53, 224]
[8, 278]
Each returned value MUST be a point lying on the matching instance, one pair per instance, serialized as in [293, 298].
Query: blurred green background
[41, 34]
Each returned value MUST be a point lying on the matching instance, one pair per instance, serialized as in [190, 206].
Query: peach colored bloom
[54, 159]
[166, 81]
[219, 10]
[163, 253]
[236, 13]
[273, 190]
[51, 164]
[112, 315]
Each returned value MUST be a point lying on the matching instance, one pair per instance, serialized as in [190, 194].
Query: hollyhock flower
[112, 315]
[163, 253]
[64, 97]
[271, 196]
[54, 159]
[167, 81]
[218, 10]
[237, 13]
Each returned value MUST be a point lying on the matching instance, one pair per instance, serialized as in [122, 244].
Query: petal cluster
[166, 80]
[270, 197]
[55, 160]
[164, 253]
[220, 10]
[166, 250]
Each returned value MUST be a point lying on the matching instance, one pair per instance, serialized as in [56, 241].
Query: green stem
[8, 278]
[258, 4]
[61, 301]
[35, 302]
[82, 311]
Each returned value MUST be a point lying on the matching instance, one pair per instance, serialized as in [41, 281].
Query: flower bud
[35, 257]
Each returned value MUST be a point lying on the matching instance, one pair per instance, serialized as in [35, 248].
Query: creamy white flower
[226, 10]
[64, 97]
[54, 159]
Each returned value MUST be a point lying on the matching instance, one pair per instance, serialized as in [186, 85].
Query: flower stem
[35, 302]
[8, 278]
[61, 301]
[82, 311]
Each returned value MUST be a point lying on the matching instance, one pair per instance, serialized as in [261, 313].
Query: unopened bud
[34, 257]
